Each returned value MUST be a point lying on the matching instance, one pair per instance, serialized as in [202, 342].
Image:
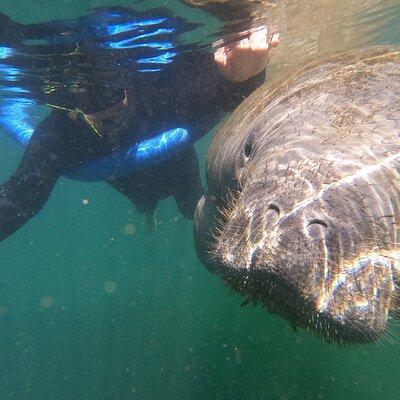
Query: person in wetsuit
[192, 91]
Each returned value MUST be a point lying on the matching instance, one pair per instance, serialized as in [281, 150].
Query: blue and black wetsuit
[188, 92]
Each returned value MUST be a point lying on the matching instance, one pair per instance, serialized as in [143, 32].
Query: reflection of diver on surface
[99, 116]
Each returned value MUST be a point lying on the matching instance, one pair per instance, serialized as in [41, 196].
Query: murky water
[94, 306]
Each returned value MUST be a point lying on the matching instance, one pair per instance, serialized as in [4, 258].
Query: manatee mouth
[308, 271]
[342, 322]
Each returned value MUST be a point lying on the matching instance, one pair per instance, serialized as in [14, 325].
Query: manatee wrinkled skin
[303, 206]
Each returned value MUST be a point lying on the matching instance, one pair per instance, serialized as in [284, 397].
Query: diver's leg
[46, 157]
[23, 195]
[10, 31]
[26, 191]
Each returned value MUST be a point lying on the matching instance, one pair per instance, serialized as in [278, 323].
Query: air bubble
[46, 301]
[129, 229]
[110, 286]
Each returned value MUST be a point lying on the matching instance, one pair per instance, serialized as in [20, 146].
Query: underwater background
[94, 306]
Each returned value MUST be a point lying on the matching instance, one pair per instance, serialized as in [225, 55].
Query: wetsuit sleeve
[212, 90]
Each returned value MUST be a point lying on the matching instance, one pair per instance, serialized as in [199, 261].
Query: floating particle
[110, 286]
[46, 302]
[3, 310]
[85, 202]
[129, 229]
[238, 355]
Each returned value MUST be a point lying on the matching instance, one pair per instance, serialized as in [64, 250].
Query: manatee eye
[246, 152]
[247, 149]
[248, 146]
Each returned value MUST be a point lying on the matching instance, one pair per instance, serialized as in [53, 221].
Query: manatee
[302, 210]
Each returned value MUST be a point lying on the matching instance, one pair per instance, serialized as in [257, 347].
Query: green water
[90, 311]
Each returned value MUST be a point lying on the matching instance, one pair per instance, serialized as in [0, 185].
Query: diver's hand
[247, 58]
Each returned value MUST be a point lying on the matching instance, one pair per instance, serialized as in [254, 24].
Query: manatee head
[301, 223]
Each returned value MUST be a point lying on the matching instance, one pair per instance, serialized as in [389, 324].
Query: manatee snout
[303, 205]
[295, 264]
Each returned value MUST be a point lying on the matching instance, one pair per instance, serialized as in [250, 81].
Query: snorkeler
[107, 109]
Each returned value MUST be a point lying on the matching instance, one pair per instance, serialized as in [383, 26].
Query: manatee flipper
[128, 187]
[178, 176]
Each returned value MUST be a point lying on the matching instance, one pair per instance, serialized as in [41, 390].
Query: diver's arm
[200, 83]
[219, 93]
[193, 86]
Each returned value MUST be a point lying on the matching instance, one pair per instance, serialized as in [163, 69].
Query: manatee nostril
[274, 207]
[317, 221]
[316, 228]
